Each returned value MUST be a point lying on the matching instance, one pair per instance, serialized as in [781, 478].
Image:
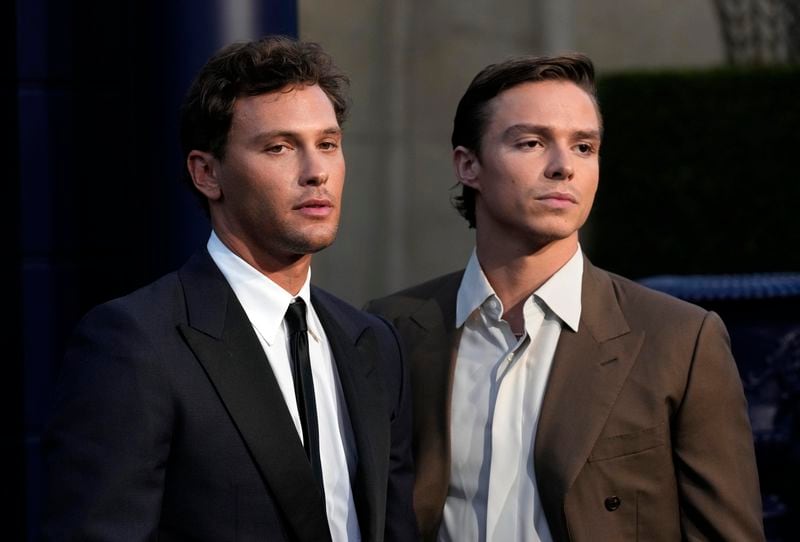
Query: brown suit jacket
[643, 433]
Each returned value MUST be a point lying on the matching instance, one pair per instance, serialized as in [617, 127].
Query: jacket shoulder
[639, 298]
[661, 316]
[351, 318]
[148, 306]
[407, 301]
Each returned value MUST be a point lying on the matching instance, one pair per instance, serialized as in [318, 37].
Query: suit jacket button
[612, 503]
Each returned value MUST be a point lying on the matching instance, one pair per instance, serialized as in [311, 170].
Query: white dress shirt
[265, 304]
[498, 387]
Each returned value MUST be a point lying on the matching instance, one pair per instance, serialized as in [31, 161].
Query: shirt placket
[507, 435]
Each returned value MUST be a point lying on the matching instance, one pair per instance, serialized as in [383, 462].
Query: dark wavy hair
[250, 69]
[472, 114]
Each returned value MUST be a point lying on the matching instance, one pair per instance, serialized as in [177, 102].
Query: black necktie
[304, 383]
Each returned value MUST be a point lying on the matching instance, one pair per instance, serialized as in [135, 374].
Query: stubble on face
[282, 177]
[311, 238]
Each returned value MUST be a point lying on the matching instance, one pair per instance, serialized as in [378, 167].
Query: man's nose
[314, 170]
[559, 167]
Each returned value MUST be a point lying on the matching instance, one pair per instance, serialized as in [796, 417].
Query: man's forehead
[556, 86]
[293, 100]
[258, 120]
[544, 98]
[287, 92]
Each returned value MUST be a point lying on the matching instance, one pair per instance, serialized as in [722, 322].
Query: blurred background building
[411, 64]
[699, 100]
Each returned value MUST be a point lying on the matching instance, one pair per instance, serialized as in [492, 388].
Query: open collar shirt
[498, 387]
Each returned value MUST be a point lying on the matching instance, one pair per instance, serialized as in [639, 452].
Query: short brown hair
[250, 69]
[472, 112]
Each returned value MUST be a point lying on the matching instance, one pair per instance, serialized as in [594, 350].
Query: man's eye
[328, 145]
[529, 144]
[585, 148]
[276, 149]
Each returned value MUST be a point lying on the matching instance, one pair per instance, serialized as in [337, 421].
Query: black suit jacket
[169, 423]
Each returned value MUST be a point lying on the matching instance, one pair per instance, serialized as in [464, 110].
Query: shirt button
[612, 503]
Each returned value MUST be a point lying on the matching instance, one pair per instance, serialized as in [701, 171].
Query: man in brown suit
[555, 401]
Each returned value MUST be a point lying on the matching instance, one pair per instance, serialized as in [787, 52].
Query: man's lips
[558, 199]
[316, 207]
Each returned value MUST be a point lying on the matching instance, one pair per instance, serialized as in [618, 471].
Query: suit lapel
[354, 352]
[589, 369]
[222, 338]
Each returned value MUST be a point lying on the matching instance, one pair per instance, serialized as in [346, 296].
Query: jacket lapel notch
[206, 293]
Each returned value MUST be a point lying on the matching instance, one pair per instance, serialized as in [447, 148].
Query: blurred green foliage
[700, 173]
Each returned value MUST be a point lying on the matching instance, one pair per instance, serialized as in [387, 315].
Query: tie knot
[296, 317]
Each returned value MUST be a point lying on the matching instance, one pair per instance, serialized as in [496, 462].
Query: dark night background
[91, 92]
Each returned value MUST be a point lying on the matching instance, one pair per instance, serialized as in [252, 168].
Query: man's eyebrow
[526, 128]
[289, 134]
[587, 134]
[520, 129]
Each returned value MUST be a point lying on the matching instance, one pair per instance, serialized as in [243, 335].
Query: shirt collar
[473, 291]
[561, 293]
[263, 301]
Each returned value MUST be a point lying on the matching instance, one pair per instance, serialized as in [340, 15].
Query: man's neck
[289, 271]
[516, 273]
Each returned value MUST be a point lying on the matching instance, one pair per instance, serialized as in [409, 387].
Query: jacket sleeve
[713, 446]
[107, 443]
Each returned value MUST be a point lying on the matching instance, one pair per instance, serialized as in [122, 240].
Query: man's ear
[203, 169]
[467, 167]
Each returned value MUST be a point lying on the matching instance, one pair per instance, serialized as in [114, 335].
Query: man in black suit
[231, 400]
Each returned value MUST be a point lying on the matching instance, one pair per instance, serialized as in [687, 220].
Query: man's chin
[313, 249]
[542, 239]
[310, 244]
